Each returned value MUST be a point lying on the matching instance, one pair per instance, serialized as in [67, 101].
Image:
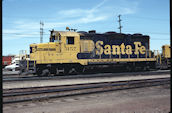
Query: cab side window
[52, 38]
[70, 40]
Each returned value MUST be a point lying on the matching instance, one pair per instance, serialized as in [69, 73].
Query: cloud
[50, 25]
[127, 11]
[80, 12]
[11, 31]
[99, 12]
[28, 26]
[98, 6]
[127, 7]
[21, 30]
[84, 15]
[79, 16]
[91, 18]
[73, 12]
[19, 36]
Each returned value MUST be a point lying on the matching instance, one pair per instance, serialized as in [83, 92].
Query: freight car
[6, 60]
[72, 52]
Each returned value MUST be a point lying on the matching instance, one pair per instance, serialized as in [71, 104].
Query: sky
[21, 20]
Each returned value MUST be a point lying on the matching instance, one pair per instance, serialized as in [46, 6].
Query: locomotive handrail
[158, 56]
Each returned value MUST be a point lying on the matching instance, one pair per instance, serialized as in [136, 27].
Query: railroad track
[35, 78]
[41, 93]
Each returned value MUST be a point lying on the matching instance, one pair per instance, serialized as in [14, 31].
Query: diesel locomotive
[75, 52]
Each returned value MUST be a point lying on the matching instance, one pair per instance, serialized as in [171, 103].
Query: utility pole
[119, 23]
[41, 31]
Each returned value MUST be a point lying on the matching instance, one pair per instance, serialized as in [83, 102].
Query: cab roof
[66, 33]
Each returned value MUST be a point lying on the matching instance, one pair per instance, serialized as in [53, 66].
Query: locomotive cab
[62, 44]
[62, 48]
[65, 41]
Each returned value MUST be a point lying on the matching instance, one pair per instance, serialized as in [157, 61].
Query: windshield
[55, 38]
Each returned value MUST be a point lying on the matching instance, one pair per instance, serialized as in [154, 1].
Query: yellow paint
[99, 48]
[166, 51]
[142, 50]
[122, 49]
[107, 49]
[115, 50]
[139, 48]
[86, 46]
[137, 44]
[128, 50]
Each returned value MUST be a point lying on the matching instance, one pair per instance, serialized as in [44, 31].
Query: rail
[42, 93]
[12, 78]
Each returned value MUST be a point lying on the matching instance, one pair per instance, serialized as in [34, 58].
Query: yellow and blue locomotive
[69, 52]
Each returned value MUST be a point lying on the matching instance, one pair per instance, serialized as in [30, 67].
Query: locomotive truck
[74, 52]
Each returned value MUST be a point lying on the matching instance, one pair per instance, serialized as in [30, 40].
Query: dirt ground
[143, 100]
[40, 83]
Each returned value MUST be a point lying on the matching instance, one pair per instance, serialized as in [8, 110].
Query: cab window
[70, 40]
[52, 38]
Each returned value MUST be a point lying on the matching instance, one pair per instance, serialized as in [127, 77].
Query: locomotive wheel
[129, 68]
[38, 72]
[45, 72]
[79, 69]
[66, 71]
[76, 70]
[72, 71]
[147, 68]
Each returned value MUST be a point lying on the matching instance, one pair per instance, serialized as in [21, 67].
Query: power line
[26, 16]
[49, 34]
[147, 32]
[148, 18]
[138, 17]
[160, 39]
[23, 34]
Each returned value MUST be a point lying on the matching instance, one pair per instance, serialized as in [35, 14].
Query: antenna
[119, 23]
[41, 31]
